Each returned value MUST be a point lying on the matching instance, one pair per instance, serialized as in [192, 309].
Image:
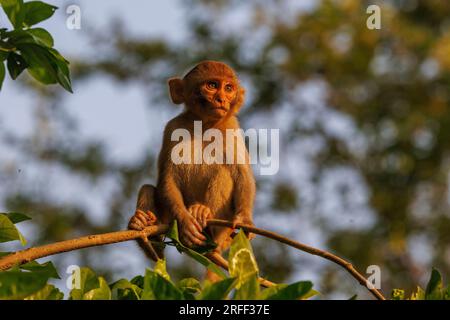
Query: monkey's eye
[212, 85]
[228, 88]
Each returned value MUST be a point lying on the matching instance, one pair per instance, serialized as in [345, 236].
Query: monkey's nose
[219, 99]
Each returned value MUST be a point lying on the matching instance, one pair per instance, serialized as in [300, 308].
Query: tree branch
[303, 247]
[27, 255]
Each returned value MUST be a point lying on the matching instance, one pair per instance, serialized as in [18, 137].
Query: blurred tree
[364, 113]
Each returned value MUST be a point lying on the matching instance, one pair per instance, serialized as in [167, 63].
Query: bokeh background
[363, 117]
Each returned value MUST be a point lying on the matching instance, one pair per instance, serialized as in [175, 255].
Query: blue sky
[122, 108]
[119, 116]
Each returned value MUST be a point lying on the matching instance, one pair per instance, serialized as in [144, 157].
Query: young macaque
[194, 192]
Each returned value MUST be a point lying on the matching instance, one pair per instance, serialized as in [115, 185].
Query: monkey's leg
[144, 216]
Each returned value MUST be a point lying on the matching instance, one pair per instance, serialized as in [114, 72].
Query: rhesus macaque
[191, 193]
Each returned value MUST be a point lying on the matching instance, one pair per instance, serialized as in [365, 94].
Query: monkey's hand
[201, 213]
[190, 231]
[141, 219]
[244, 219]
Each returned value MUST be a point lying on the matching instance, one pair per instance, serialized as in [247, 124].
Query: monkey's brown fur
[193, 193]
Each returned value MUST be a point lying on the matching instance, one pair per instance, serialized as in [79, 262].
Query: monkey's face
[217, 96]
[211, 91]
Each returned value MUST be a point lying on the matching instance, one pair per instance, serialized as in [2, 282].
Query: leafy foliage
[8, 231]
[173, 234]
[31, 48]
[391, 85]
[435, 290]
[30, 281]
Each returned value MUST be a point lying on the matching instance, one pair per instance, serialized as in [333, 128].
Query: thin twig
[27, 255]
[303, 247]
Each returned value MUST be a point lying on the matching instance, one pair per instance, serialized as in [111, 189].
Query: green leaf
[209, 245]
[158, 288]
[418, 295]
[14, 9]
[17, 284]
[434, 287]
[313, 293]
[16, 64]
[5, 48]
[2, 73]
[37, 11]
[63, 72]
[46, 65]
[3, 54]
[47, 268]
[447, 293]
[189, 288]
[42, 36]
[295, 291]
[398, 294]
[8, 231]
[57, 55]
[173, 234]
[101, 293]
[91, 287]
[125, 290]
[36, 36]
[49, 292]
[190, 285]
[16, 217]
[266, 293]
[4, 254]
[243, 266]
[241, 261]
[88, 282]
[205, 262]
[218, 290]
[160, 268]
[39, 66]
[249, 289]
[138, 281]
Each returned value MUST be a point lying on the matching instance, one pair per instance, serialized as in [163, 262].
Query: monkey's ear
[240, 97]
[176, 88]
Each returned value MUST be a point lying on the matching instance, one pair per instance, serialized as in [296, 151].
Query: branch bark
[27, 255]
[303, 247]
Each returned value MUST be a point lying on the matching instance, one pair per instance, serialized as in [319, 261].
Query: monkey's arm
[167, 188]
[244, 193]
[172, 200]
[170, 194]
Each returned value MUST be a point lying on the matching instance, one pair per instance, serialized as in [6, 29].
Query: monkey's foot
[200, 213]
[141, 219]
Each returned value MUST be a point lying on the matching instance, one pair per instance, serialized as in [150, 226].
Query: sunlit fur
[223, 191]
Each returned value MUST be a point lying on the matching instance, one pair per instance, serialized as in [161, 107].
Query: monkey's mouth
[205, 103]
[219, 108]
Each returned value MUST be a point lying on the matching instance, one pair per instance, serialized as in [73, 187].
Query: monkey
[192, 193]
